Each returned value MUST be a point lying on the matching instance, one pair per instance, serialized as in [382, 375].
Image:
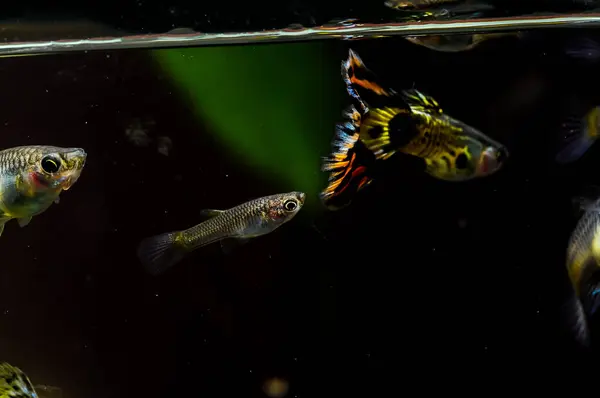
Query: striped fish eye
[50, 164]
[290, 205]
[462, 161]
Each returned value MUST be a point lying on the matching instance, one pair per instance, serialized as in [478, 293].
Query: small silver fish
[33, 177]
[238, 224]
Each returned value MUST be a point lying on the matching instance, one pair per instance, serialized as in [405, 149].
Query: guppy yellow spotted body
[384, 123]
[32, 178]
[14, 383]
[583, 264]
[583, 252]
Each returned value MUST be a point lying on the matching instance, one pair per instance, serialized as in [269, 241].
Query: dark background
[418, 277]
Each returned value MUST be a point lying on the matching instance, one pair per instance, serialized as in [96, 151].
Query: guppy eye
[290, 205]
[462, 161]
[50, 164]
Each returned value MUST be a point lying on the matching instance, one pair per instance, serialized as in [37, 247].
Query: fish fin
[365, 87]
[229, 245]
[579, 136]
[347, 171]
[582, 203]
[398, 5]
[44, 391]
[574, 317]
[474, 10]
[419, 102]
[403, 5]
[24, 221]
[161, 252]
[587, 199]
[210, 213]
[583, 48]
[444, 9]
[592, 301]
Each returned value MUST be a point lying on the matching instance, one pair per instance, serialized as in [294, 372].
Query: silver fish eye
[50, 164]
[290, 205]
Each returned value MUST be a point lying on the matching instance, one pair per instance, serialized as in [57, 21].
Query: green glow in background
[274, 107]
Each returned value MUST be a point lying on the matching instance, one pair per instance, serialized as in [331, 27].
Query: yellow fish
[385, 122]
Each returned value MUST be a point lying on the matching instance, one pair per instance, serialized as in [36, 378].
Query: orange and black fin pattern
[364, 86]
[347, 164]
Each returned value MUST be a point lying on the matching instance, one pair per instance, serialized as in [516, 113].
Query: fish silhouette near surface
[231, 227]
[461, 5]
[33, 177]
[457, 42]
[384, 122]
[438, 10]
[446, 10]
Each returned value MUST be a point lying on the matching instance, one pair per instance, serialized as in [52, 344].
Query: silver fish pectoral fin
[229, 245]
[24, 221]
[44, 391]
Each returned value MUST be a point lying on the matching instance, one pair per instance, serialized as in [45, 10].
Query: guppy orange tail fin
[364, 86]
[346, 164]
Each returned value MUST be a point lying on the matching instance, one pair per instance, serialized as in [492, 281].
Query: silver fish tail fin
[161, 252]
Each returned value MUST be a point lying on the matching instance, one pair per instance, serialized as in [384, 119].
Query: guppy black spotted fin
[419, 102]
[365, 87]
[346, 166]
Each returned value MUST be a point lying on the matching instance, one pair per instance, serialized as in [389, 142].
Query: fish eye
[50, 164]
[462, 161]
[290, 205]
